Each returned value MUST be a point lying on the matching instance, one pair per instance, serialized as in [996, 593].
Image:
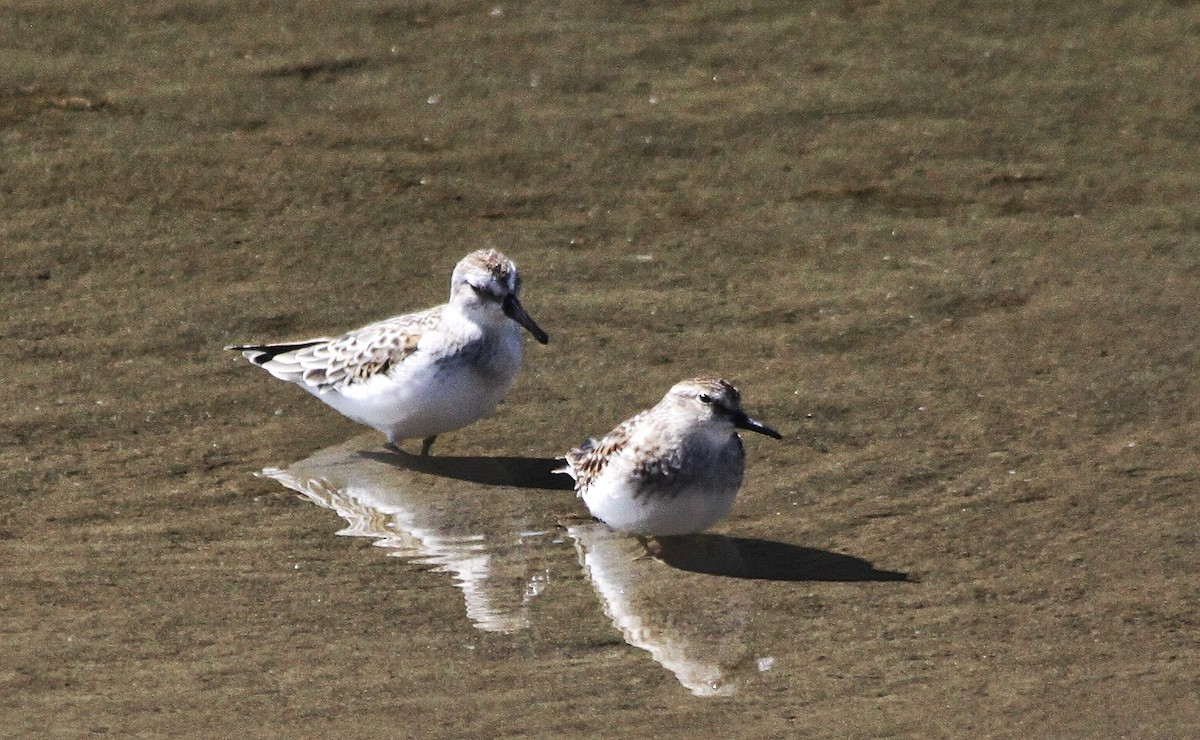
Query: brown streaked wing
[360, 355]
[589, 459]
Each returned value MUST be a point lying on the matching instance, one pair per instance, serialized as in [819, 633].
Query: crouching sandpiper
[673, 469]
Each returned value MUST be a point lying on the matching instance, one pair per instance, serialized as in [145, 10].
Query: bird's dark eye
[704, 398]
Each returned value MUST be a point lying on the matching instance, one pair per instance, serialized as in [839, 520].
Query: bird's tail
[284, 361]
[572, 459]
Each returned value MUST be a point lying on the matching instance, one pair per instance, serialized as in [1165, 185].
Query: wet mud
[950, 251]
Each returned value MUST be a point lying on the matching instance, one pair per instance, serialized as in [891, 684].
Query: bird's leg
[652, 548]
[426, 444]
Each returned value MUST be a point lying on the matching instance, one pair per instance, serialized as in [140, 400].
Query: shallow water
[950, 250]
[506, 544]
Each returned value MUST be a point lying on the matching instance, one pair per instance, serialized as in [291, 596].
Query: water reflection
[697, 631]
[661, 595]
[688, 601]
[490, 539]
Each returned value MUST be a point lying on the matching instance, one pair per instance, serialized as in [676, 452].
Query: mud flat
[950, 251]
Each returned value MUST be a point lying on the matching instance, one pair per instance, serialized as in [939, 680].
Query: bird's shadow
[713, 554]
[765, 560]
[514, 472]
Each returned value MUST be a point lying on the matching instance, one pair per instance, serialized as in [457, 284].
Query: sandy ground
[952, 251]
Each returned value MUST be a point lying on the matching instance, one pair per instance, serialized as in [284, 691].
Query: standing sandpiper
[420, 374]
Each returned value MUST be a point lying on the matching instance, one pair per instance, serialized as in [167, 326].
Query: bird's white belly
[426, 399]
[687, 512]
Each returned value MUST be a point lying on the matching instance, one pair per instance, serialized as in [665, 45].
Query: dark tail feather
[268, 352]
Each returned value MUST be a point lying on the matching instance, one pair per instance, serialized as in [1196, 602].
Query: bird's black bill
[512, 309]
[741, 421]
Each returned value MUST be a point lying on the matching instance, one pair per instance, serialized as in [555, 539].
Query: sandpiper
[672, 469]
[420, 374]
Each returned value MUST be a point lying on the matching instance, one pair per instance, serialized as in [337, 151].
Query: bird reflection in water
[688, 601]
[487, 539]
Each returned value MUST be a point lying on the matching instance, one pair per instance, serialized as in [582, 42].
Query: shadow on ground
[517, 472]
[765, 560]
